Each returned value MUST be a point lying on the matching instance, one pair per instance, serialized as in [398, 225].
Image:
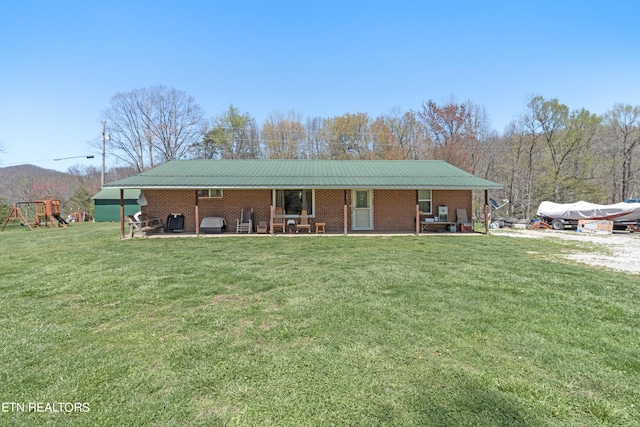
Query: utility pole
[103, 138]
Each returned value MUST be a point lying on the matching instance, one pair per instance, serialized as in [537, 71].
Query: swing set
[47, 214]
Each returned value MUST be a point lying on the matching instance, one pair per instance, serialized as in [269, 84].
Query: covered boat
[561, 214]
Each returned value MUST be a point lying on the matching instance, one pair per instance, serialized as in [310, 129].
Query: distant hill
[28, 182]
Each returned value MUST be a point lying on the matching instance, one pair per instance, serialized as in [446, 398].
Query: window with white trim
[424, 201]
[295, 201]
[210, 193]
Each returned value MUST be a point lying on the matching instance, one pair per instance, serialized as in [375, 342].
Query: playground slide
[60, 219]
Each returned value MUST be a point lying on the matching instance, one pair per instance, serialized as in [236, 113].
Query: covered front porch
[329, 211]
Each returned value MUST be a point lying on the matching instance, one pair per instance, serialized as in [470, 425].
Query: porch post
[486, 211]
[271, 214]
[345, 213]
[121, 214]
[197, 208]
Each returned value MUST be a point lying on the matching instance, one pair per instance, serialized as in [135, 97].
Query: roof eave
[305, 187]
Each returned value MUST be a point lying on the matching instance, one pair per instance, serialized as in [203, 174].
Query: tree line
[549, 152]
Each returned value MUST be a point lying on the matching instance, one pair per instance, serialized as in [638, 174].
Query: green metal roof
[114, 194]
[328, 174]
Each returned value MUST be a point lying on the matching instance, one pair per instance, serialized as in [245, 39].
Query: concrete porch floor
[330, 234]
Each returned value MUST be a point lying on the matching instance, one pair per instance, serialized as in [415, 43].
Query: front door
[362, 212]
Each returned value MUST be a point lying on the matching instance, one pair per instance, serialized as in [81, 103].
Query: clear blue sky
[61, 61]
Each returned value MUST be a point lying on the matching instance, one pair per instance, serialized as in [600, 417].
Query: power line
[26, 162]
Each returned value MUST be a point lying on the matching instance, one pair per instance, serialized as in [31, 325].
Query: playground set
[47, 214]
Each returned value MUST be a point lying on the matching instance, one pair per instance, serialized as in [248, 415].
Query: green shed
[107, 204]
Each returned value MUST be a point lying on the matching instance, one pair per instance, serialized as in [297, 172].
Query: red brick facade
[393, 210]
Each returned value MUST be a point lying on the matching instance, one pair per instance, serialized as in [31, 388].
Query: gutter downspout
[417, 215]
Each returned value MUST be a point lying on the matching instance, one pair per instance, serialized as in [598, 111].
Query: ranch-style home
[344, 195]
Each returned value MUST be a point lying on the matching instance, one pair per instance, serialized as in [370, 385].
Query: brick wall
[393, 210]
[163, 202]
[330, 209]
[453, 199]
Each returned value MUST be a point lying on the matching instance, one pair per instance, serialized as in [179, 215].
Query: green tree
[568, 137]
[348, 136]
[574, 174]
[81, 201]
[232, 136]
[5, 209]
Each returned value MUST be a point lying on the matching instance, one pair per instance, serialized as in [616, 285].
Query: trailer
[562, 215]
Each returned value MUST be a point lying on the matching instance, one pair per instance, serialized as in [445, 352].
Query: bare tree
[315, 148]
[152, 125]
[622, 133]
[522, 157]
[406, 133]
[452, 130]
[283, 136]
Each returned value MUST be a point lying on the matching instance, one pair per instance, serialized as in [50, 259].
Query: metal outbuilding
[107, 204]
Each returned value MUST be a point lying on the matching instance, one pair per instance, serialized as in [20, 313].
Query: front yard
[408, 330]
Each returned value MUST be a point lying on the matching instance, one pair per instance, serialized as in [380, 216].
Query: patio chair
[303, 223]
[463, 221]
[262, 227]
[134, 226]
[142, 225]
[245, 223]
[279, 221]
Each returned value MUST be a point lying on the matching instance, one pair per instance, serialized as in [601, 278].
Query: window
[210, 193]
[424, 201]
[295, 201]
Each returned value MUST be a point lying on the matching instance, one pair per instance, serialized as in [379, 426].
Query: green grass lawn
[307, 331]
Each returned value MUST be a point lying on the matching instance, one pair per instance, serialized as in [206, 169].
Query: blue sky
[61, 61]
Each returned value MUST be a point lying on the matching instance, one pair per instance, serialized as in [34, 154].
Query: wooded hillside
[549, 152]
[73, 188]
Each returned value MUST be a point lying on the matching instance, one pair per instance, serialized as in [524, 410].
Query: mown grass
[333, 330]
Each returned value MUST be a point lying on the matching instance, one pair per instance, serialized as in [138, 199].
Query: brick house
[347, 195]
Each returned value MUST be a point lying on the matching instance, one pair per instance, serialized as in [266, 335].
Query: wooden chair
[303, 223]
[245, 223]
[279, 221]
[262, 227]
[143, 226]
[134, 226]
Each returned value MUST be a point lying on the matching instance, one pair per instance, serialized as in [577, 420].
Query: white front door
[362, 212]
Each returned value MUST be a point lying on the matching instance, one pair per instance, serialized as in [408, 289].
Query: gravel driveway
[618, 251]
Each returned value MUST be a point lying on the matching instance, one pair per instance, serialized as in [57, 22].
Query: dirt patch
[616, 251]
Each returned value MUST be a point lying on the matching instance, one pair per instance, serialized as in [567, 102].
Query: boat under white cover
[584, 210]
